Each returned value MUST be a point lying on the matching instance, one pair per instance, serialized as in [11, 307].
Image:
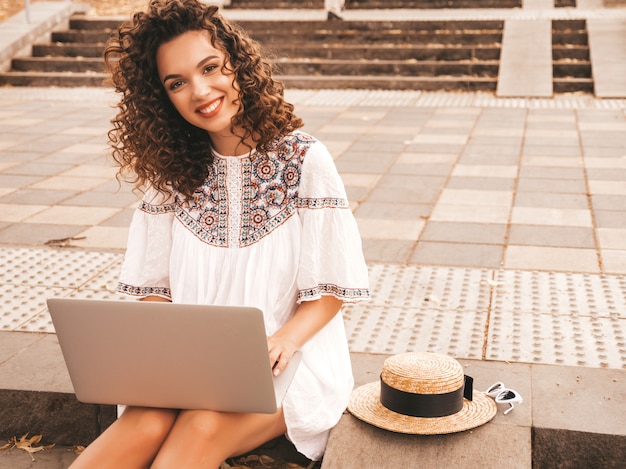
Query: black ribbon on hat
[425, 405]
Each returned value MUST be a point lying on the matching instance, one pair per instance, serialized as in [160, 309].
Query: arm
[155, 298]
[309, 319]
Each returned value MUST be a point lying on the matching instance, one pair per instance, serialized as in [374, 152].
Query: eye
[175, 84]
[209, 68]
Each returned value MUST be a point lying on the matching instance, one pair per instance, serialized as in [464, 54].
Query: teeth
[211, 108]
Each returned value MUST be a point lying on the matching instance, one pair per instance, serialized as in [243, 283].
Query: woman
[239, 208]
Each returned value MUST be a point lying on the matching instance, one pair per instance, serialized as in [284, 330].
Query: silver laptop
[169, 355]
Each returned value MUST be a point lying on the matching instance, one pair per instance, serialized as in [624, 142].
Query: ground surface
[100, 7]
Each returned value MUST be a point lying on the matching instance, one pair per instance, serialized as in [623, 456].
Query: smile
[211, 108]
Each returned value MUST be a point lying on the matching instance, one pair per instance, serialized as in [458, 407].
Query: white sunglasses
[503, 395]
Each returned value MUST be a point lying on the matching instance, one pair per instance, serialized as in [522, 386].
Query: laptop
[169, 355]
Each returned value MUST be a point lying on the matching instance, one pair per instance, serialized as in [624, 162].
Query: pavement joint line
[343, 98]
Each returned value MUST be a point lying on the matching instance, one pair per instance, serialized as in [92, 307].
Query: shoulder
[305, 150]
[295, 145]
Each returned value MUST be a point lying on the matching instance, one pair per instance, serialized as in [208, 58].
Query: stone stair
[375, 4]
[429, 55]
[571, 64]
[425, 55]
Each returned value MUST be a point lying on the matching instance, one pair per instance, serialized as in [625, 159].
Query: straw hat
[429, 394]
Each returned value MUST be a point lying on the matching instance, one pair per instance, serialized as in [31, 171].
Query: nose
[201, 89]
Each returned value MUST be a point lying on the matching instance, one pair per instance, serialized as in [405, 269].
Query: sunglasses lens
[507, 395]
[494, 388]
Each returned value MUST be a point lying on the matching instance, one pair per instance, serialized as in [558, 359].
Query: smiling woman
[240, 208]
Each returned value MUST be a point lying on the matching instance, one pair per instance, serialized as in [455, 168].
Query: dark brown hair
[152, 143]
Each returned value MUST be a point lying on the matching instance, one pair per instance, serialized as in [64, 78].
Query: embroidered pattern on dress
[157, 209]
[321, 203]
[263, 194]
[144, 291]
[348, 295]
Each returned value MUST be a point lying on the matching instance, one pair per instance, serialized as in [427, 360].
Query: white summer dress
[268, 231]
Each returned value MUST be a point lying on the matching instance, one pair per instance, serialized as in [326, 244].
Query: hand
[281, 350]
[310, 317]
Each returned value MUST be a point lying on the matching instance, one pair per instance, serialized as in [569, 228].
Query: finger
[280, 364]
[274, 353]
[275, 360]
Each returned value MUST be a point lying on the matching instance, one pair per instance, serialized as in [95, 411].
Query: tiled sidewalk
[461, 186]
[502, 222]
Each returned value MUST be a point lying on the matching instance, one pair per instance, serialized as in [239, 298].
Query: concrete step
[308, 34]
[60, 79]
[275, 4]
[425, 68]
[428, 4]
[426, 83]
[58, 64]
[573, 85]
[60, 49]
[578, 69]
[438, 83]
[478, 52]
[87, 36]
[566, 52]
[398, 37]
[354, 32]
[327, 51]
[374, 4]
[570, 416]
[571, 64]
[293, 67]
[109, 25]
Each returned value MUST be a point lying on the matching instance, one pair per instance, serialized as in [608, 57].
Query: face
[191, 71]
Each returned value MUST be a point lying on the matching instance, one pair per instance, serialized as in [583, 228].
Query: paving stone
[551, 258]
[468, 213]
[558, 236]
[378, 250]
[552, 200]
[30, 234]
[457, 254]
[610, 218]
[473, 233]
[614, 261]
[563, 186]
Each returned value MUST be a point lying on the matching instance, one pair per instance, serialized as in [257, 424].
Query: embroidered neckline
[246, 197]
[249, 154]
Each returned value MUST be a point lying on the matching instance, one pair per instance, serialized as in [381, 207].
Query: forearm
[309, 319]
[155, 298]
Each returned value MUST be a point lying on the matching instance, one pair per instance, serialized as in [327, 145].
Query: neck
[232, 145]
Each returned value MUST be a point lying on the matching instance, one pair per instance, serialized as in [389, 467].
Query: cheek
[178, 102]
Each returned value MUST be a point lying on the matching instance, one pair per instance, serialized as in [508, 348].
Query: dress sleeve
[331, 256]
[145, 270]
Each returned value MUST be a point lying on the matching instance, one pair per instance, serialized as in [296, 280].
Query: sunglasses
[503, 395]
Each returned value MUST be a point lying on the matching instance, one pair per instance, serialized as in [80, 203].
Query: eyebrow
[199, 65]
